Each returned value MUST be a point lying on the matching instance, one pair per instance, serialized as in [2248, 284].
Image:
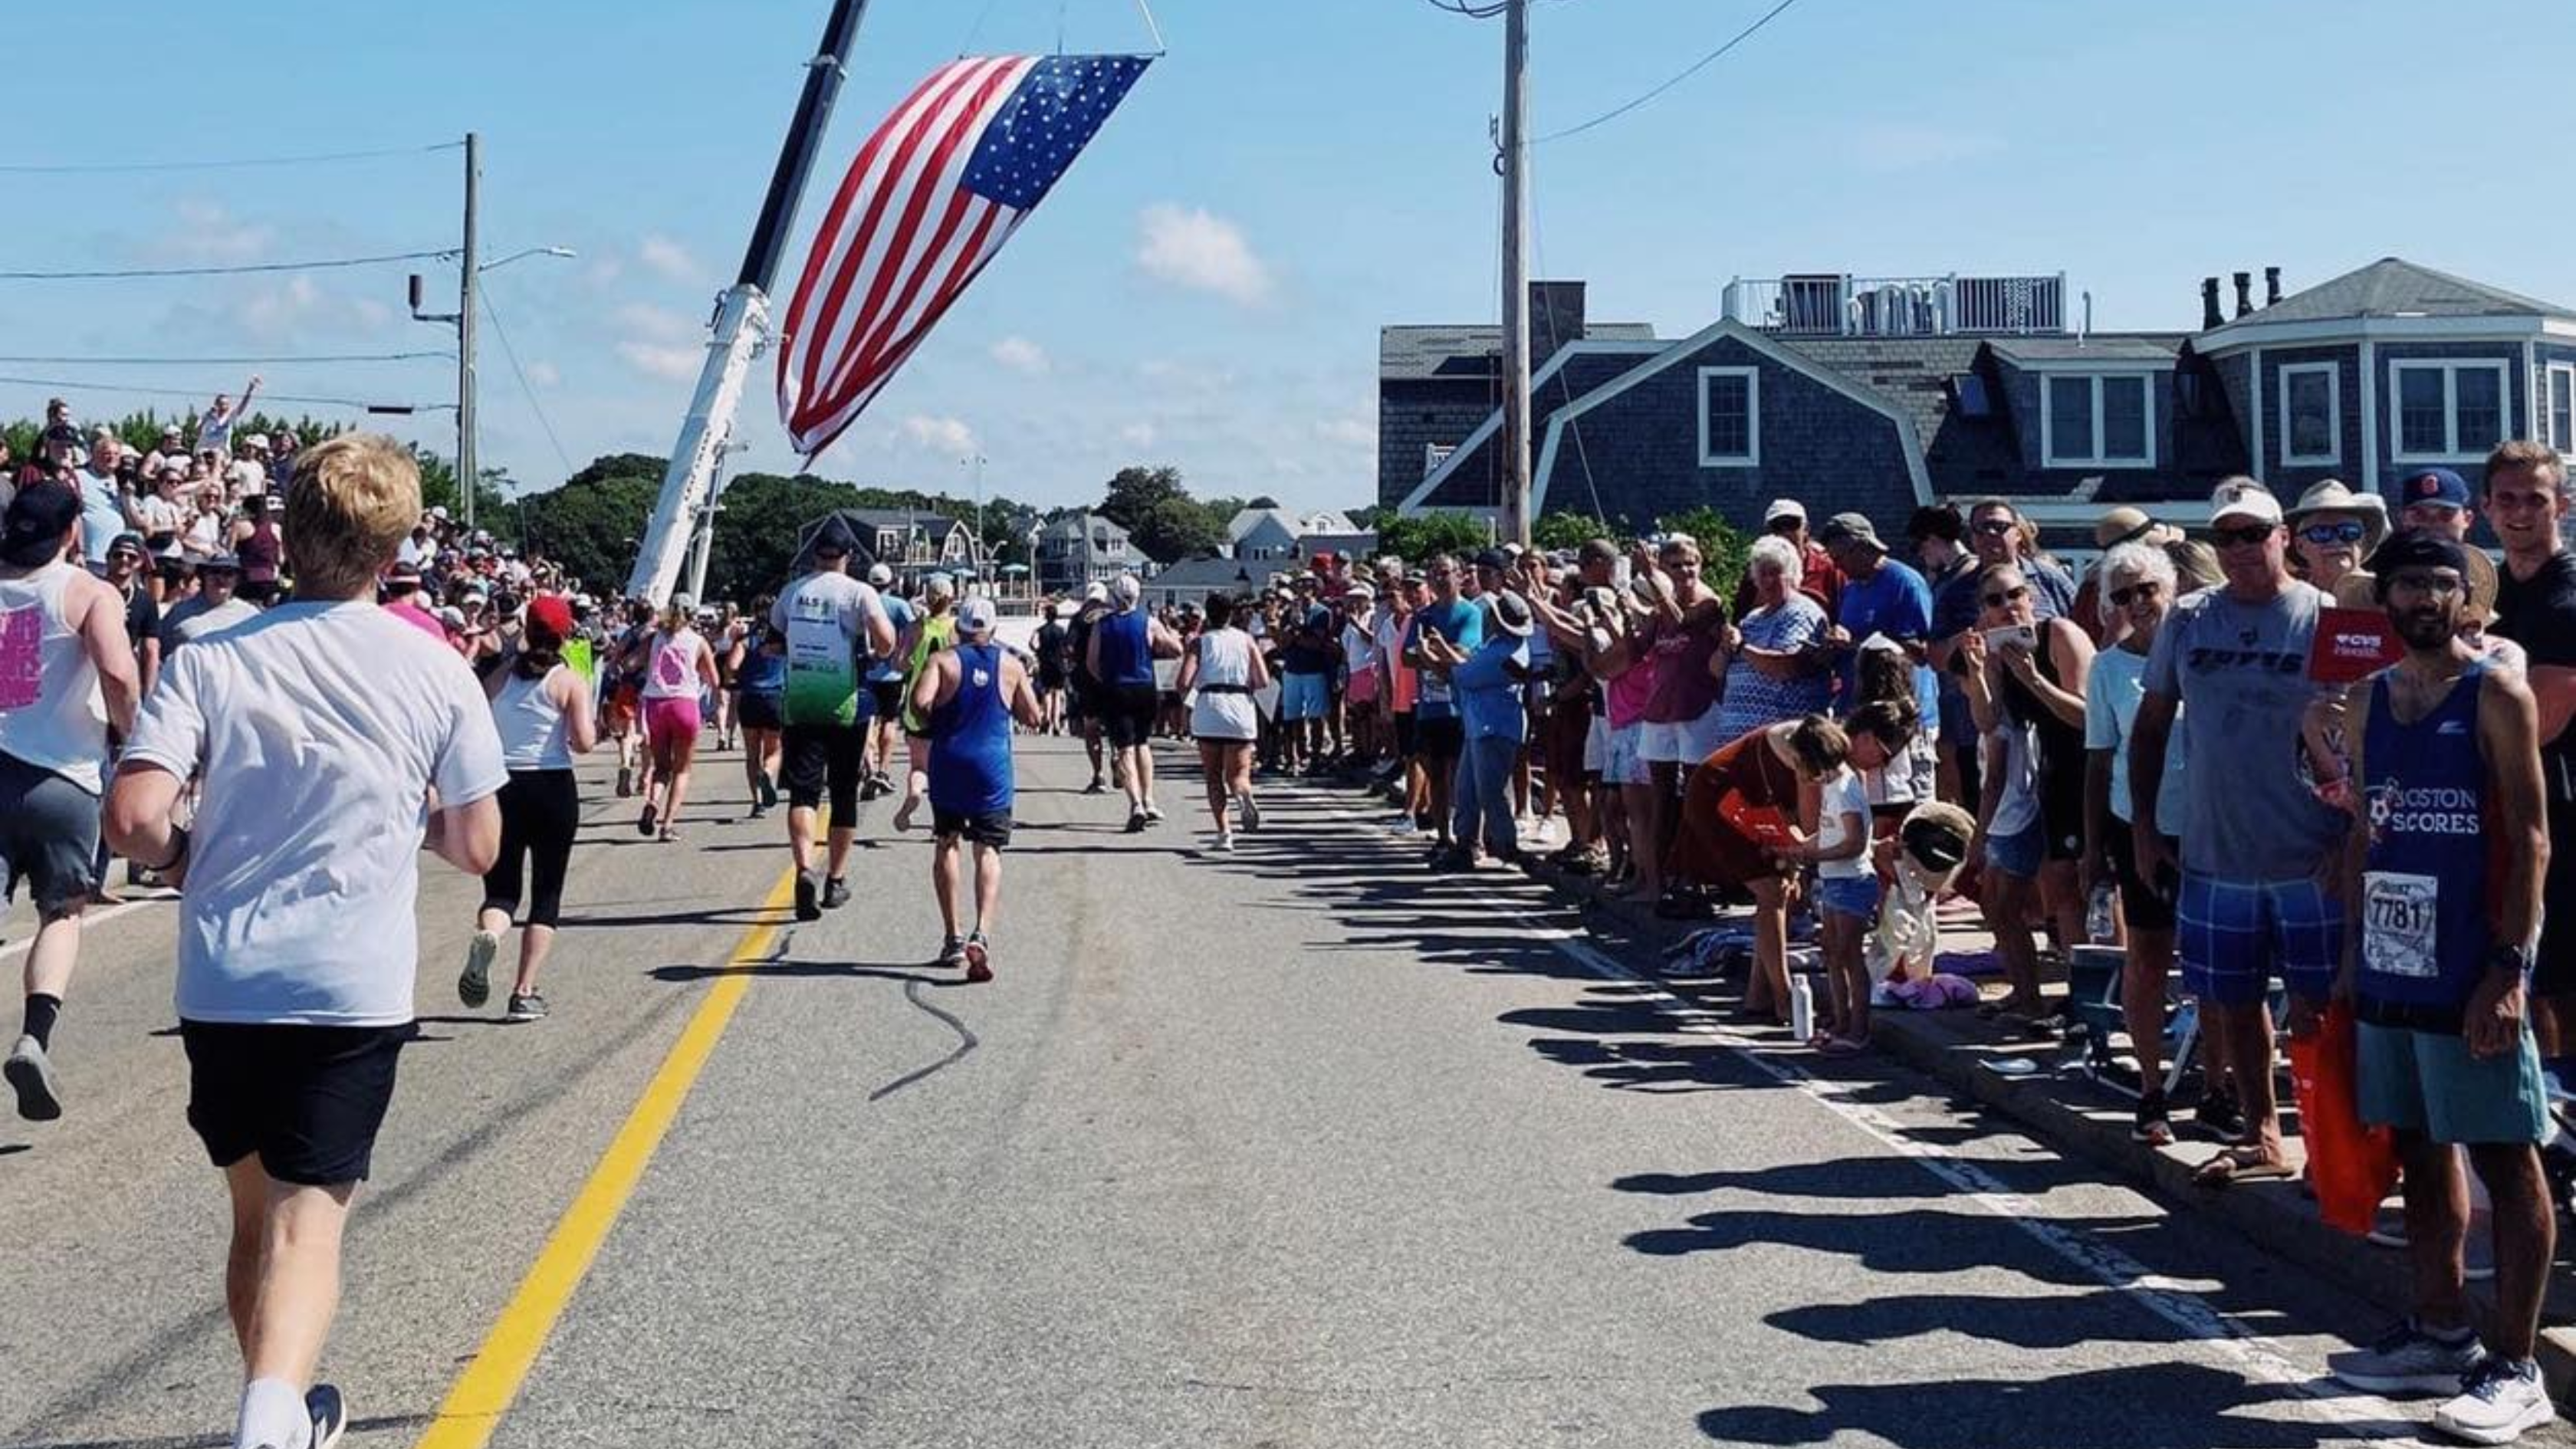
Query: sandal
[1845, 1046]
[2154, 1124]
[2242, 1163]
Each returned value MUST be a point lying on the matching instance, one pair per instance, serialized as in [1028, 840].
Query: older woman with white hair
[2139, 583]
[1774, 663]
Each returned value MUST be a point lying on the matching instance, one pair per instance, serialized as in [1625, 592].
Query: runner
[826, 617]
[541, 708]
[968, 695]
[679, 667]
[886, 682]
[2233, 662]
[1082, 695]
[1226, 671]
[2441, 894]
[1049, 645]
[296, 937]
[931, 630]
[1124, 646]
[763, 676]
[66, 674]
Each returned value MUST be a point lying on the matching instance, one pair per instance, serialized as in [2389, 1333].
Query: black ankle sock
[41, 1011]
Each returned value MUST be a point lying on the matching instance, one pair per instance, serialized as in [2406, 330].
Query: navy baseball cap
[2433, 485]
[32, 529]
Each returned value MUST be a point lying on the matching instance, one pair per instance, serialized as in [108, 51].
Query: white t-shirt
[1842, 792]
[2112, 694]
[825, 617]
[319, 729]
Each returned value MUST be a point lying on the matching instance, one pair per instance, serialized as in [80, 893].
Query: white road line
[2317, 1400]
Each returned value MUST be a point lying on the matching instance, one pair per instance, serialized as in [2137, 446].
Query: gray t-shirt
[2241, 673]
[190, 620]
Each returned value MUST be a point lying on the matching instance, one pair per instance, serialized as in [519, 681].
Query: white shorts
[1627, 762]
[1596, 746]
[1683, 742]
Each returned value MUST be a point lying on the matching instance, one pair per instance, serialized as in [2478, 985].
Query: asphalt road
[1298, 1146]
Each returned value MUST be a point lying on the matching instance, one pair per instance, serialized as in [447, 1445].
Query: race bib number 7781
[2398, 914]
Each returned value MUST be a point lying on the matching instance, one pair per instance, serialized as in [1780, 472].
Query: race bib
[22, 658]
[2397, 924]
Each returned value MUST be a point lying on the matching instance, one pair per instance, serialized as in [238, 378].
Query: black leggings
[540, 810]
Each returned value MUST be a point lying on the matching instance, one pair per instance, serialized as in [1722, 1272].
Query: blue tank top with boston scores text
[2426, 911]
[1126, 653]
[970, 738]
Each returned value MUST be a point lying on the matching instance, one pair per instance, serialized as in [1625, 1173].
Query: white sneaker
[1224, 842]
[2499, 1400]
[2407, 1360]
[474, 983]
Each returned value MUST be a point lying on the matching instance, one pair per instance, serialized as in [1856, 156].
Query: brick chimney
[2210, 315]
[2271, 286]
[2244, 294]
[1556, 318]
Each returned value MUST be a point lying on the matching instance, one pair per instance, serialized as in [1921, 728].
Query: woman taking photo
[543, 711]
[1770, 661]
[1226, 670]
[679, 666]
[2025, 687]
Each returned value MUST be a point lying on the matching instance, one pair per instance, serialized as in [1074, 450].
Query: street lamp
[462, 319]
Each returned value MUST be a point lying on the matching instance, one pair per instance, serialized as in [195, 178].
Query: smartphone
[2020, 636]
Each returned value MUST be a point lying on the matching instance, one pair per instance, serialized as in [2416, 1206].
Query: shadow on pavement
[2154, 1407]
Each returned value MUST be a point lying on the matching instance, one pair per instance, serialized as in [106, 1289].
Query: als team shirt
[824, 618]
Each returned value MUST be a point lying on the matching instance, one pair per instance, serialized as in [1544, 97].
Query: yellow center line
[485, 1391]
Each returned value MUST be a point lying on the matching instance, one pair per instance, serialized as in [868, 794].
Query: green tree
[1416, 539]
[1722, 549]
[1134, 492]
[763, 515]
[1178, 528]
[1569, 530]
[594, 523]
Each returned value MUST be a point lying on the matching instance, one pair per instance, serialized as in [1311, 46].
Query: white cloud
[945, 435]
[663, 359]
[1193, 248]
[1138, 435]
[1356, 430]
[661, 254]
[642, 319]
[211, 235]
[287, 308]
[542, 373]
[1019, 354]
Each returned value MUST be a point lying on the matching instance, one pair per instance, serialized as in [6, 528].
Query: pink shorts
[670, 721]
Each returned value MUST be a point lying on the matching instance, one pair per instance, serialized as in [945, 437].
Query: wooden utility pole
[1516, 324]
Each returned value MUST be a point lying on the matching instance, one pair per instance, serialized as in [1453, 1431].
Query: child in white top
[1846, 901]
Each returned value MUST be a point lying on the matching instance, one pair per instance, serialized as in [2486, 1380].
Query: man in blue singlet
[970, 694]
[2442, 876]
[1124, 645]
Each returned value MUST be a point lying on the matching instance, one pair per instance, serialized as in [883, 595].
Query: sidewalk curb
[2275, 1216]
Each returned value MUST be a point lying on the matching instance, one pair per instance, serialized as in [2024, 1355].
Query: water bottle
[2101, 927]
[1802, 1008]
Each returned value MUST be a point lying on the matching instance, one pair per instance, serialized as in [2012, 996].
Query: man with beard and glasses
[2442, 871]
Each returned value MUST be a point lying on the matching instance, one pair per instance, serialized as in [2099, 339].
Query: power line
[237, 269]
[244, 361]
[205, 392]
[534, 406]
[240, 163]
[1703, 63]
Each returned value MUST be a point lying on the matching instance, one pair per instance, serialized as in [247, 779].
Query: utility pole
[1516, 326]
[466, 475]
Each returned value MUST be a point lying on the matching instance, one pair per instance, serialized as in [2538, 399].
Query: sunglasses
[2442, 584]
[2138, 592]
[2245, 533]
[2008, 596]
[1996, 527]
[2351, 530]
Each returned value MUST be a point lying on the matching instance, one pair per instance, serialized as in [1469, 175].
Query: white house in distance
[1276, 533]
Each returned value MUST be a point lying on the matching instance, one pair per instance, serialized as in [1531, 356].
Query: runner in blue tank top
[2442, 873]
[970, 695]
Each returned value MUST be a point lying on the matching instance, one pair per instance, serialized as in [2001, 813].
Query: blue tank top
[1126, 653]
[2427, 912]
[762, 672]
[970, 738]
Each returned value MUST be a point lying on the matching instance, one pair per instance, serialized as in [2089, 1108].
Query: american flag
[930, 199]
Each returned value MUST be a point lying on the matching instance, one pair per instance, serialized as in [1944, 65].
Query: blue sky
[1206, 286]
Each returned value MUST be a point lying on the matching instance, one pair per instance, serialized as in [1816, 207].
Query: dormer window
[2095, 421]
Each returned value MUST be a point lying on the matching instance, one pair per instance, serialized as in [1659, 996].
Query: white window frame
[2549, 375]
[1435, 454]
[2450, 369]
[2093, 457]
[2333, 455]
[1751, 457]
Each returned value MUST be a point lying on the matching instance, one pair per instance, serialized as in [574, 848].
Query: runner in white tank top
[1225, 670]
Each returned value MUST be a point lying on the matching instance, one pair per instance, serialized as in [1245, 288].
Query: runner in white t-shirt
[297, 881]
[831, 621]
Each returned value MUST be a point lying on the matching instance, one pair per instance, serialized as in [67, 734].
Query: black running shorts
[813, 758]
[991, 828]
[1127, 713]
[306, 1099]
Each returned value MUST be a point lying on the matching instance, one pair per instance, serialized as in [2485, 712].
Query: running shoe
[768, 793]
[875, 787]
[2407, 1359]
[528, 1007]
[979, 958]
[903, 813]
[474, 983]
[2219, 1115]
[1153, 813]
[625, 781]
[1251, 810]
[330, 1415]
[1097, 786]
[1224, 843]
[644, 825]
[757, 811]
[1136, 822]
[809, 906]
[952, 952]
[2497, 1402]
[31, 1072]
[836, 893]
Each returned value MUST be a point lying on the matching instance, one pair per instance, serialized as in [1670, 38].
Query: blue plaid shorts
[2232, 935]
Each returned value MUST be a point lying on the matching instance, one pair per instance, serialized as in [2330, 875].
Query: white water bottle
[1802, 1007]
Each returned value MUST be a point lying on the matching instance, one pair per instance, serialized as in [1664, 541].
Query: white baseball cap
[1784, 508]
[2243, 498]
[975, 615]
[880, 575]
[1095, 592]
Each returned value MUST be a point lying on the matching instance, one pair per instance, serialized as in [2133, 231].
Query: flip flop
[1844, 1046]
[2239, 1164]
